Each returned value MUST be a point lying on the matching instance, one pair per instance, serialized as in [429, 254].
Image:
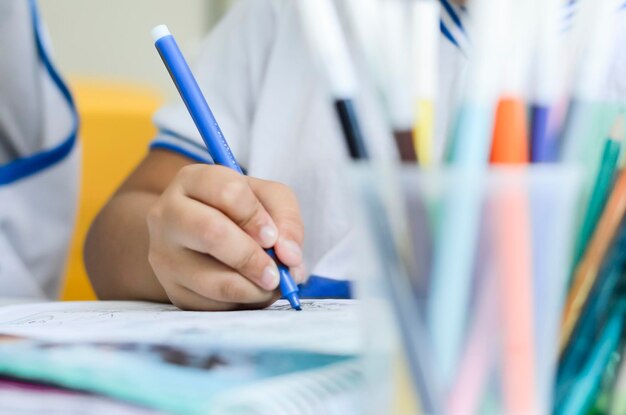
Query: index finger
[231, 194]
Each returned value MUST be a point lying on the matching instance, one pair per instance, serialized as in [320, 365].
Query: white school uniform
[38, 158]
[276, 112]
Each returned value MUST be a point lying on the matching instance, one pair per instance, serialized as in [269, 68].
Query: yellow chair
[116, 127]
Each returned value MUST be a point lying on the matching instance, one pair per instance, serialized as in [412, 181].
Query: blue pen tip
[294, 300]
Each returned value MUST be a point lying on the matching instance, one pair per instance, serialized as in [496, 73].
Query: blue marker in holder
[209, 130]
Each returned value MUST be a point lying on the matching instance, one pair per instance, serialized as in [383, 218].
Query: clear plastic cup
[474, 265]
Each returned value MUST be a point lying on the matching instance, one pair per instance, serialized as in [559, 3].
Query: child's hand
[207, 232]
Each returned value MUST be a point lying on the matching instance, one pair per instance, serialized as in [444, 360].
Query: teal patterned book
[171, 364]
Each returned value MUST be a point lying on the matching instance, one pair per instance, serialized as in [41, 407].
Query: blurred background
[111, 39]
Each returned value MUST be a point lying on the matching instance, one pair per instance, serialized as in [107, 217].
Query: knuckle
[233, 191]
[187, 172]
[212, 229]
[250, 216]
[247, 260]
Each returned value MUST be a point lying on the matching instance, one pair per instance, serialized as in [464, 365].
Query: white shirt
[38, 161]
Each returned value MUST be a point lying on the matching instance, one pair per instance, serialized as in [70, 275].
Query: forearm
[116, 250]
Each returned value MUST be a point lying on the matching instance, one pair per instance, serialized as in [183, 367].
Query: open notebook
[271, 361]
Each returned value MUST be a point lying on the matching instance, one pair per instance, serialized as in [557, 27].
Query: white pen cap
[160, 31]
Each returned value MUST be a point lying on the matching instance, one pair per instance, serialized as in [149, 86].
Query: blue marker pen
[209, 130]
[544, 148]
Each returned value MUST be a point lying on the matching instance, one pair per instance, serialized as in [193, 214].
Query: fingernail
[270, 278]
[295, 249]
[268, 235]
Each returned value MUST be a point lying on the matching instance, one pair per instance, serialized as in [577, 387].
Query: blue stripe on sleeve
[160, 145]
[24, 167]
[452, 13]
[320, 287]
[447, 34]
[166, 132]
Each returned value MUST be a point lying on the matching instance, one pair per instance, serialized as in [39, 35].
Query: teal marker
[595, 313]
[581, 397]
[602, 186]
[457, 237]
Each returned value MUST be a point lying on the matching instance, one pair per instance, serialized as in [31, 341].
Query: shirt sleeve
[230, 69]
[20, 80]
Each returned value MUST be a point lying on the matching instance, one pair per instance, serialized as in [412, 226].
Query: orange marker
[510, 133]
[587, 270]
[514, 260]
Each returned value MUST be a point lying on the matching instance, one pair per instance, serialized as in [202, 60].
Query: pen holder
[474, 264]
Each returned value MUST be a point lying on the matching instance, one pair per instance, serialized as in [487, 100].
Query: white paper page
[329, 326]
